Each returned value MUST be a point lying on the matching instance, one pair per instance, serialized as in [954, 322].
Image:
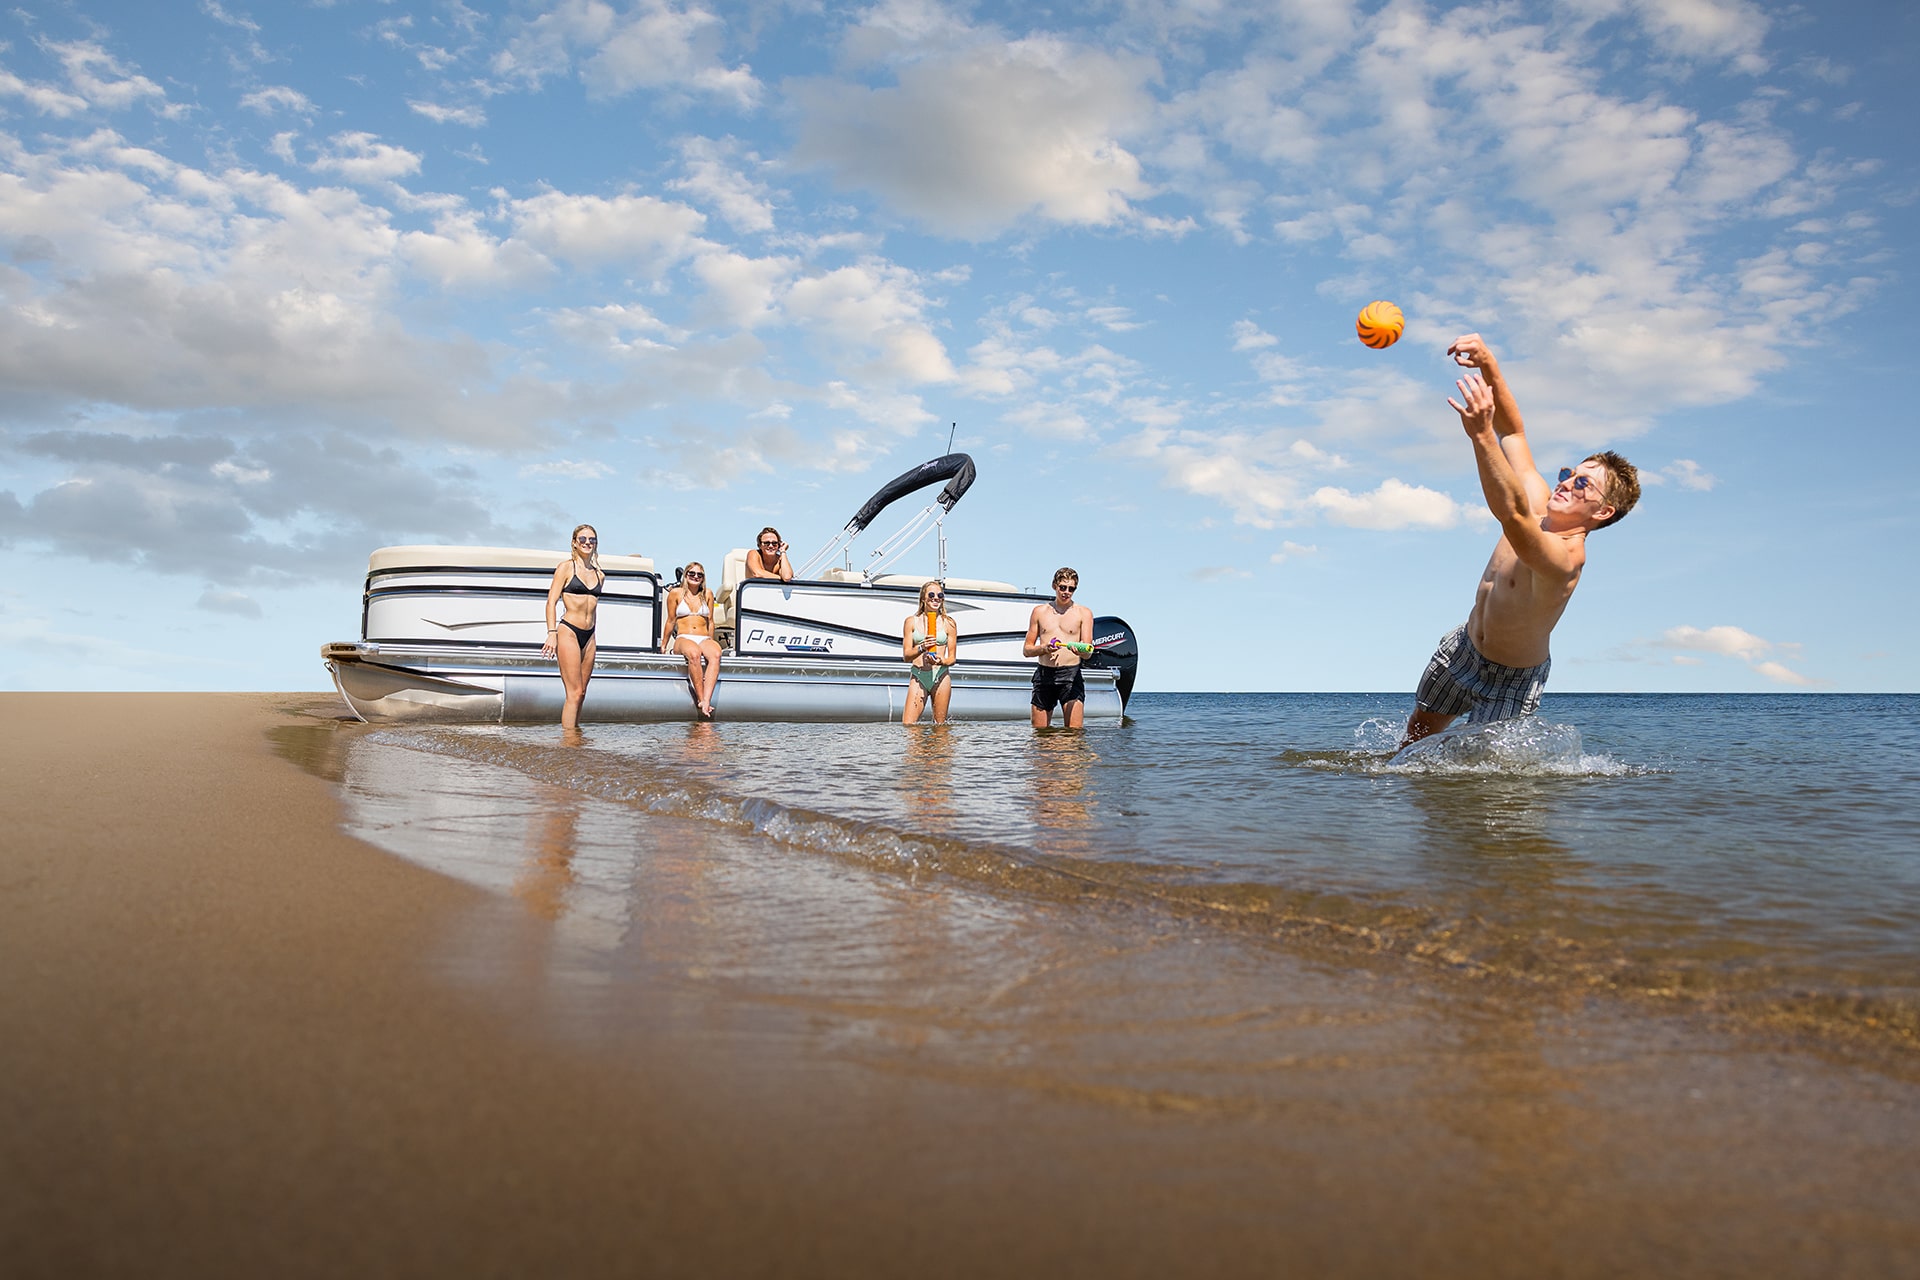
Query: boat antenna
[955, 427]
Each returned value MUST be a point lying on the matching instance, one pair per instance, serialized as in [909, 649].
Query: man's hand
[1476, 415]
[1470, 350]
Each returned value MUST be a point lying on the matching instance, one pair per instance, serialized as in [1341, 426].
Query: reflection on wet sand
[548, 874]
[1060, 762]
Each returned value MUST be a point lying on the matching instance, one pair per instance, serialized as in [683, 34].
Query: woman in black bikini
[686, 628]
[576, 588]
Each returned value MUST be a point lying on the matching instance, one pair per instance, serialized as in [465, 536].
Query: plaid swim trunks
[1459, 681]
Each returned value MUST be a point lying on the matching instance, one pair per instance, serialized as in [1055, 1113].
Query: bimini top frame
[955, 468]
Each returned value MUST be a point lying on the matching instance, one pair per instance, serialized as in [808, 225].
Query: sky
[288, 282]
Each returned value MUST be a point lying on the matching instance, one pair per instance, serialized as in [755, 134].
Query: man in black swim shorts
[1052, 632]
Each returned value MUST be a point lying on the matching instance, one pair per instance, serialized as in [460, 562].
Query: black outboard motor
[1115, 649]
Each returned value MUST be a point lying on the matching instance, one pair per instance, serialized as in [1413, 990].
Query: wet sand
[234, 1040]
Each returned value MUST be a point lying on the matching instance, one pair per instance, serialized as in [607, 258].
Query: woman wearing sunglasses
[577, 584]
[687, 629]
[930, 642]
[768, 559]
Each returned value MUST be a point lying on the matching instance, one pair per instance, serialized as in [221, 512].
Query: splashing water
[1527, 745]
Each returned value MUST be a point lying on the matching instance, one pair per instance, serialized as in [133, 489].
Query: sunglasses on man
[1580, 483]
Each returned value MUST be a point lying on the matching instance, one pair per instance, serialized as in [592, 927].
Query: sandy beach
[235, 1040]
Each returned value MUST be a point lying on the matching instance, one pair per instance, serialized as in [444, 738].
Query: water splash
[1527, 745]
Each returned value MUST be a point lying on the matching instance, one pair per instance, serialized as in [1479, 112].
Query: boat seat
[732, 571]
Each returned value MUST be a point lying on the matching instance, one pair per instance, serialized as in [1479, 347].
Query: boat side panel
[831, 620]
[469, 606]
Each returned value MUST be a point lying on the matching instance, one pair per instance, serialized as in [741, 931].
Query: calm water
[1754, 855]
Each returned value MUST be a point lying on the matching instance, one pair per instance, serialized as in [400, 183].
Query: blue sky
[288, 282]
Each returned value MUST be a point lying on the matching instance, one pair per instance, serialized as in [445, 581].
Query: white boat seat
[732, 570]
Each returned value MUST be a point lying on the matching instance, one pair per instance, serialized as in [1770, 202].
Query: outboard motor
[1115, 649]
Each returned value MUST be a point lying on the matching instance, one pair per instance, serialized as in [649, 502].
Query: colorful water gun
[1080, 647]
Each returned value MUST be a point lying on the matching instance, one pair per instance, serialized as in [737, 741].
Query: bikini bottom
[582, 636]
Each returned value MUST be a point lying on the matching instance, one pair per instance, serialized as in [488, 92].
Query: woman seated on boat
[768, 559]
[576, 588]
[688, 631]
[929, 641]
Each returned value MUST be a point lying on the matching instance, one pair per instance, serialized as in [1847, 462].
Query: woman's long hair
[593, 557]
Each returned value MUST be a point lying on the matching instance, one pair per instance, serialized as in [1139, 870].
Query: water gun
[930, 644]
[1080, 647]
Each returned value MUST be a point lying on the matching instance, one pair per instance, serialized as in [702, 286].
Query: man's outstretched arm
[1505, 488]
[1471, 351]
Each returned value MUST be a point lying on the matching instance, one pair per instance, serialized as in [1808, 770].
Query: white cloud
[643, 232]
[363, 158]
[1783, 675]
[45, 99]
[277, 98]
[970, 140]
[1395, 504]
[873, 308]
[238, 603]
[650, 45]
[1290, 550]
[1735, 642]
[471, 117]
[1684, 472]
[1248, 336]
[99, 78]
[713, 179]
[564, 469]
[1731, 641]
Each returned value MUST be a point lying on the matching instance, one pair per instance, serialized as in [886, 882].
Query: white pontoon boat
[453, 634]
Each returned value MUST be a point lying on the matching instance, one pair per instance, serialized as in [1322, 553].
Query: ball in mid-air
[1380, 324]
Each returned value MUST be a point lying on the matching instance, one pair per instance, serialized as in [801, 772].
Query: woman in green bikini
[929, 641]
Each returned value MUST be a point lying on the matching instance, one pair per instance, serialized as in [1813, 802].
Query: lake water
[1756, 857]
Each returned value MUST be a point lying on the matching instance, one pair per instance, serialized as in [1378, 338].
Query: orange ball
[1380, 324]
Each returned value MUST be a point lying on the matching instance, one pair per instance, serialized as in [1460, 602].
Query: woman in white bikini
[931, 642]
[577, 584]
[687, 629]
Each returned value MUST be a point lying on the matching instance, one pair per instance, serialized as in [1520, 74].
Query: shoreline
[238, 1039]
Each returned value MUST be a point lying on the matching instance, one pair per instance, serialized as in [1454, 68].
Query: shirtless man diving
[1054, 627]
[1494, 667]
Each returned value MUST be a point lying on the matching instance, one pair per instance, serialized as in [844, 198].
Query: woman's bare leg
[693, 657]
[916, 703]
[710, 680]
[575, 668]
[942, 694]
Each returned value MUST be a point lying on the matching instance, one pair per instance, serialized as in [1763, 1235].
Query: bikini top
[920, 628]
[683, 611]
[575, 587]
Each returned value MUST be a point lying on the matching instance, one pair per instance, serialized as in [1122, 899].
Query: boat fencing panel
[847, 620]
[498, 607]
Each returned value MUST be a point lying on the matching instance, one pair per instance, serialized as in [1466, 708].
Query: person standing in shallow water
[1053, 632]
[930, 642]
[576, 588]
[1494, 666]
